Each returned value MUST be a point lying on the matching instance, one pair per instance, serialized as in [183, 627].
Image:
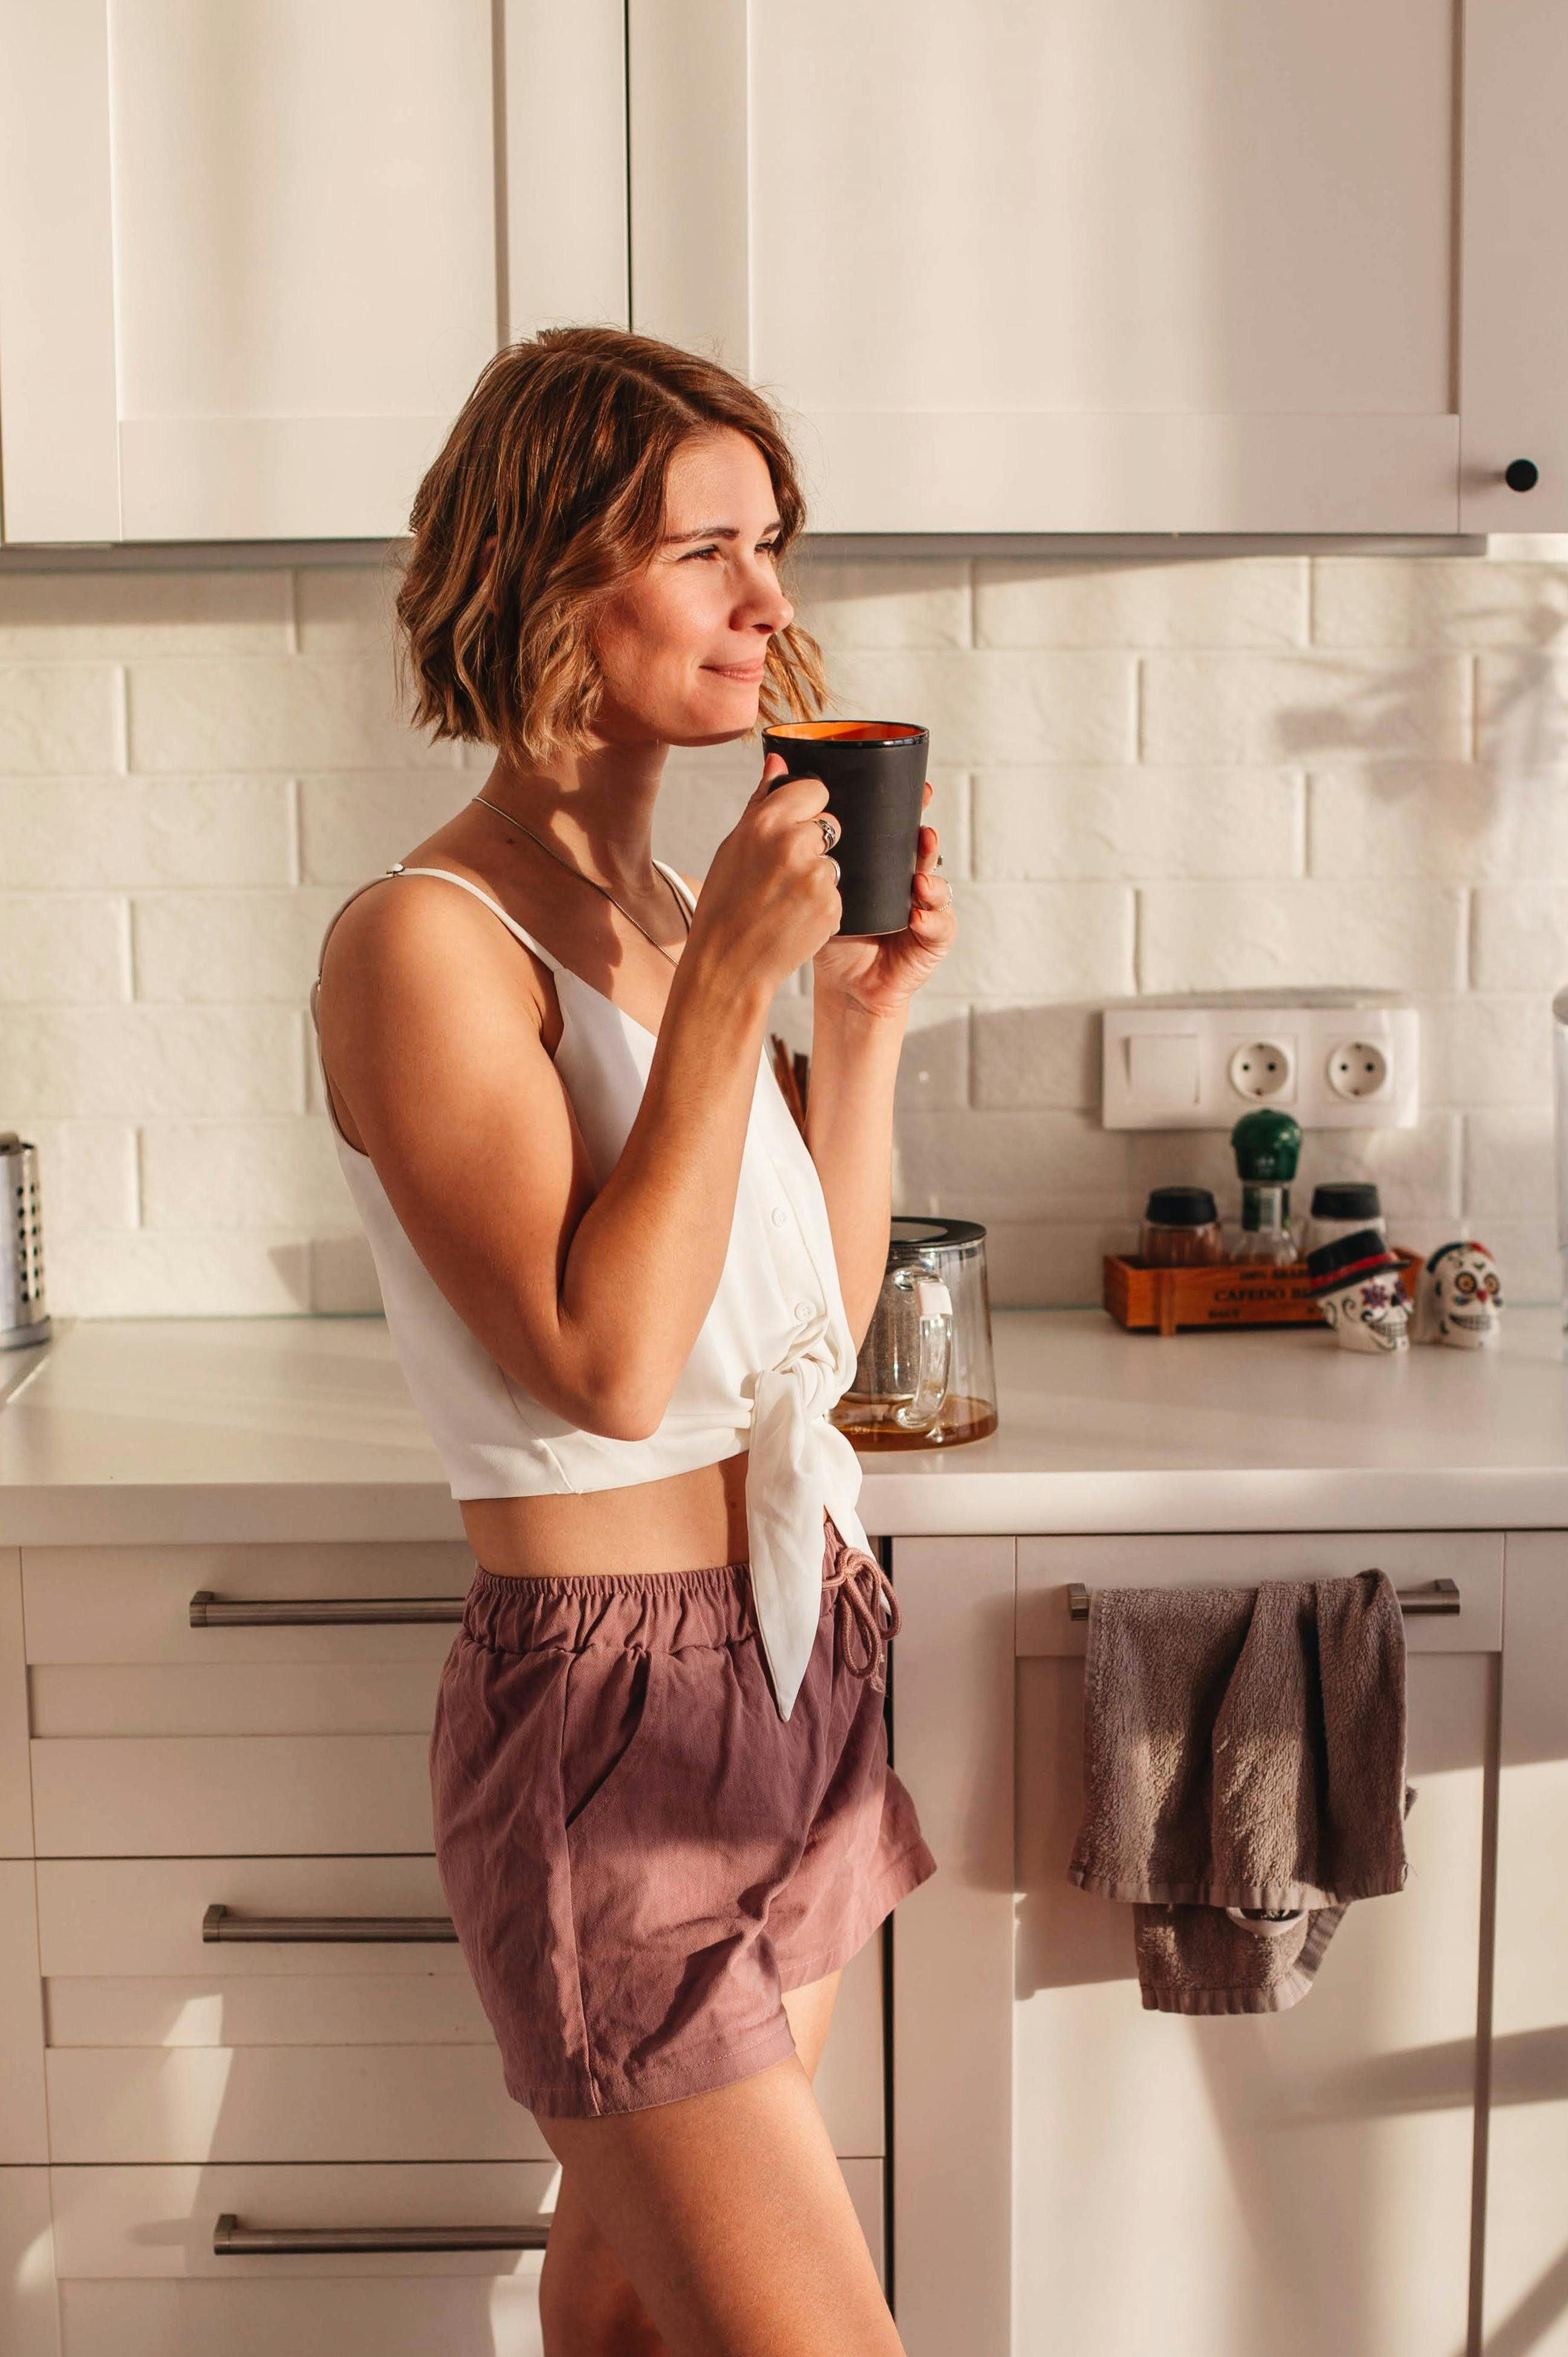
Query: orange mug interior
[867, 731]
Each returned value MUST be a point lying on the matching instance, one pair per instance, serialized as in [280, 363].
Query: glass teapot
[924, 1378]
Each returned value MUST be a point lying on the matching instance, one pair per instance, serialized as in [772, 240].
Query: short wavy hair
[562, 451]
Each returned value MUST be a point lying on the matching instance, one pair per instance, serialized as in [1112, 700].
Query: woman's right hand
[771, 897]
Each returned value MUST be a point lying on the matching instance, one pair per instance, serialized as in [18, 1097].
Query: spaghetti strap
[680, 883]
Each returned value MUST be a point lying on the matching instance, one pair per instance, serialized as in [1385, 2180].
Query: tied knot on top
[863, 1599]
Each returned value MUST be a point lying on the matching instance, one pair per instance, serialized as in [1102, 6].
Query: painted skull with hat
[1356, 1283]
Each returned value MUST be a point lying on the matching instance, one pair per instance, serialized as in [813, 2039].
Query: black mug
[874, 771]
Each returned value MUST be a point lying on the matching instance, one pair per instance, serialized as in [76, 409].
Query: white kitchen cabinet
[253, 257]
[1121, 265]
[1071, 2172]
[1526, 2276]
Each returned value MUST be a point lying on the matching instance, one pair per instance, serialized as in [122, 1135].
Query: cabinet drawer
[164, 2048]
[139, 2276]
[172, 1796]
[121, 1604]
[1412, 1560]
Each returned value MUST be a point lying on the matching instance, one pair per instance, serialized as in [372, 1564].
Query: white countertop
[154, 1429]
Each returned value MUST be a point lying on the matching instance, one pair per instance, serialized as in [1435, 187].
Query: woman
[625, 1292]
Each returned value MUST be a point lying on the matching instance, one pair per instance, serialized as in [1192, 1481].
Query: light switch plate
[1334, 1059]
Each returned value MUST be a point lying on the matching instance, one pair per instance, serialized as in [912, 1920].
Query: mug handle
[935, 1305]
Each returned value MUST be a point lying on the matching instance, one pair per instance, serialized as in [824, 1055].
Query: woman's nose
[767, 608]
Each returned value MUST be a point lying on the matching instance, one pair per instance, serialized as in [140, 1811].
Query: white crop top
[773, 1355]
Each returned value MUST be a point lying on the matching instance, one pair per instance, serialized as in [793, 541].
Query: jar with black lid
[1340, 1207]
[1181, 1229]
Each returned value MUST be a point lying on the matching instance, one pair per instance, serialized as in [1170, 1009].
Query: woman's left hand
[880, 973]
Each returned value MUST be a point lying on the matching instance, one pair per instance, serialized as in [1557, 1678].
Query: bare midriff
[685, 1523]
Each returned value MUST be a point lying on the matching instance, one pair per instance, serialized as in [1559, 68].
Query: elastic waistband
[649, 1610]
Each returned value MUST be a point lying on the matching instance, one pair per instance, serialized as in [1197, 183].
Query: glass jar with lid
[1340, 1207]
[1181, 1229]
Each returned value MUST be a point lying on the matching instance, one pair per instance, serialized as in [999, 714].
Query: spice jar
[1339, 1207]
[1181, 1229]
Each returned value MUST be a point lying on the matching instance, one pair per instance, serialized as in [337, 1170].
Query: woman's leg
[690, 2191]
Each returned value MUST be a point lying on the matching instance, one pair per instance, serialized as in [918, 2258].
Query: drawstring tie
[861, 1591]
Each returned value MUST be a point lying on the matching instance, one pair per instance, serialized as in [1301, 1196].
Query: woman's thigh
[729, 2213]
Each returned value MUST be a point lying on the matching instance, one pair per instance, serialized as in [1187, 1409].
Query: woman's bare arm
[591, 1301]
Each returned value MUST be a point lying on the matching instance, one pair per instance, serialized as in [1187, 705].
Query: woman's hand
[769, 898]
[880, 974]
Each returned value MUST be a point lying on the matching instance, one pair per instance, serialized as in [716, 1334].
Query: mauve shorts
[638, 1853]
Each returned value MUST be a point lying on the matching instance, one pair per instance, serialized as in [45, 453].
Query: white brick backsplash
[1520, 724]
[346, 610]
[1458, 822]
[230, 948]
[180, 1273]
[147, 1063]
[1436, 601]
[1136, 822]
[1305, 709]
[120, 615]
[1012, 1166]
[1365, 935]
[116, 835]
[303, 712]
[352, 826]
[58, 717]
[60, 947]
[1052, 1264]
[1046, 940]
[1171, 773]
[87, 1175]
[1510, 1157]
[1520, 938]
[881, 602]
[258, 1174]
[1028, 1055]
[1181, 601]
[1485, 1052]
[986, 706]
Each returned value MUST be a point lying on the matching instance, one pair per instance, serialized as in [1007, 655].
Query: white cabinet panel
[118, 1604]
[15, 1790]
[23, 2132]
[253, 257]
[1302, 2179]
[1527, 2169]
[29, 2312]
[176, 1796]
[143, 1916]
[1514, 347]
[281, 1699]
[1145, 266]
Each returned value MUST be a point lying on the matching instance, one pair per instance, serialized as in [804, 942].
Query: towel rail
[1438, 1595]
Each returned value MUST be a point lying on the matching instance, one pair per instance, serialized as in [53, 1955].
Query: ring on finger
[830, 830]
[833, 863]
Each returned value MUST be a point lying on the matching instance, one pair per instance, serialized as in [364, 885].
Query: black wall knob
[1522, 474]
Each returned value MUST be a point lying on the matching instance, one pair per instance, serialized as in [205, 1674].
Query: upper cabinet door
[1099, 265]
[253, 257]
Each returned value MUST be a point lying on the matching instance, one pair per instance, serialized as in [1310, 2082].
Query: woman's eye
[698, 552]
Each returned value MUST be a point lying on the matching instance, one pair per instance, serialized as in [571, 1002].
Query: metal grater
[23, 1317]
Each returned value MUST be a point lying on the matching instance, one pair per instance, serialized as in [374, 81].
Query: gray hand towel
[1244, 1749]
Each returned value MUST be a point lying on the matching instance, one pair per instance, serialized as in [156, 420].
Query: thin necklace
[571, 869]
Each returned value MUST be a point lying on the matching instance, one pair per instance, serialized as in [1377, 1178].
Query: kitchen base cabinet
[139, 2276]
[30, 2318]
[1098, 2176]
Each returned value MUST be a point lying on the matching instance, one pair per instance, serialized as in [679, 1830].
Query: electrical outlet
[1336, 1059]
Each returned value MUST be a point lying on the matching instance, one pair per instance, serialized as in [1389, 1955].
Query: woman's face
[681, 645]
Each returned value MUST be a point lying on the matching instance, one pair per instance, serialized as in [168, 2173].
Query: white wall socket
[1334, 1060]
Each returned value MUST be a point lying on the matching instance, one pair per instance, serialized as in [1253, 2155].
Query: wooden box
[1231, 1293]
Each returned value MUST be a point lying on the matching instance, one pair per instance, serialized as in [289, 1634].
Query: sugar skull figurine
[1460, 1298]
[1356, 1284]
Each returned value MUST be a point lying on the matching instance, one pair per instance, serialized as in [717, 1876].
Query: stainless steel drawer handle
[1438, 1595]
[210, 1610]
[218, 1923]
[230, 2240]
